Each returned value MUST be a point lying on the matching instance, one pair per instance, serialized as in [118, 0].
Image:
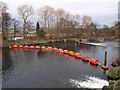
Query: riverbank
[6, 43]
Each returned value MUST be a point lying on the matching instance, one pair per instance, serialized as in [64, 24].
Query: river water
[37, 69]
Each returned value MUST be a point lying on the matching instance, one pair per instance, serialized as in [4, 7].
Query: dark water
[37, 69]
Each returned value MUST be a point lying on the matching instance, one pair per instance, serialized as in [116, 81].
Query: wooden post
[105, 58]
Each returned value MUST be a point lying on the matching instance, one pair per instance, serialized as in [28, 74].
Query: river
[36, 69]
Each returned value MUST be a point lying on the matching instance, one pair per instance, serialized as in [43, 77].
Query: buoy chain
[70, 53]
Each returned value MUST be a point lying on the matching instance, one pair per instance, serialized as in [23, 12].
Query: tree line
[55, 23]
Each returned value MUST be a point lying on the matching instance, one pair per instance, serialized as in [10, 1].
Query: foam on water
[89, 82]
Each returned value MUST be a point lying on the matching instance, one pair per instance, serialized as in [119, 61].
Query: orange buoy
[20, 46]
[66, 51]
[77, 55]
[15, 46]
[55, 49]
[60, 49]
[104, 67]
[85, 58]
[10, 46]
[26, 46]
[32, 47]
[71, 53]
[37, 47]
[93, 61]
[43, 48]
[50, 48]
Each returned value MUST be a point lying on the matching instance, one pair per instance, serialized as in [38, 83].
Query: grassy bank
[114, 75]
[6, 43]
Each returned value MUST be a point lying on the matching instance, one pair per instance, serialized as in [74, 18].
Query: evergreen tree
[39, 31]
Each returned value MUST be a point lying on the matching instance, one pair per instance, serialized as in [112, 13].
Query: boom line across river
[78, 56]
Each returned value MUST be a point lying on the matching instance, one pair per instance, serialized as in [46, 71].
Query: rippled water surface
[37, 69]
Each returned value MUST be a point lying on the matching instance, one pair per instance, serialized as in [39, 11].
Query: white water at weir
[111, 43]
[89, 82]
[97, 44]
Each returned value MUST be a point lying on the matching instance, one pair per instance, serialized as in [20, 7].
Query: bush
[114, 73]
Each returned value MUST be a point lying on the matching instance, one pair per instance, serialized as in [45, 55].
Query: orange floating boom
[43, 47]
[104, 67]
[66, 51]
[26, 46]
[60, 49]
[77, 55]
[20, 46]
[37, 47]
[71, 53]
[15, 46]
[50, 48]
[55, 49]
[32, 47]
[85, 58]
[93, 61]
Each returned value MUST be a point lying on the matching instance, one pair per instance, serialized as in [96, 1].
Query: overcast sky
[101, 11]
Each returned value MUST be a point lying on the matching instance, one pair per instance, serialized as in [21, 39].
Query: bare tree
[51, 20]
[15, 24]
[3, 9]
[86, 20]
[4, 19]
[60, 16]
[42, 12]
[46, 15]
[62, 22]
[77, 21]
[25, 12]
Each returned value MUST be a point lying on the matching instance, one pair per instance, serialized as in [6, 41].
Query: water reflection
[7, 65]
[40, 53]
[38, 50]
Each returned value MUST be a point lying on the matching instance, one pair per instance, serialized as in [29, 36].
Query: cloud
[98, 9]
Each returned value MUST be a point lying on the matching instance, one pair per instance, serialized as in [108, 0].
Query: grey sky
[101, 11]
